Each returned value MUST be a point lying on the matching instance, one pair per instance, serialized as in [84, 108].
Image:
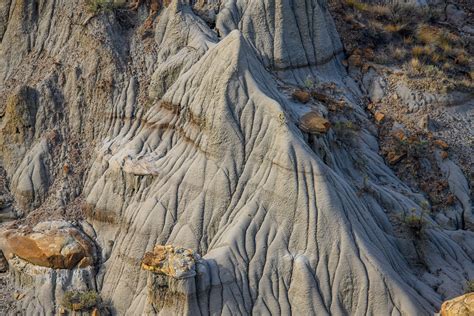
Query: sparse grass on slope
[414, 39]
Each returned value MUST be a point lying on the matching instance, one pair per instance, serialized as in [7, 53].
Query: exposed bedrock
[55, 245]
[171, 281]
[45, 262]
[287, 231]
[40, 290]
[295, 37]
[190, 138]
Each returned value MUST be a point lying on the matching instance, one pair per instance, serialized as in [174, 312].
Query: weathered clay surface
[186, 134]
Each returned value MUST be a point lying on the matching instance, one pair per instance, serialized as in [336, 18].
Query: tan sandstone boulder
[55, 244]
[459, 306]
[313, 123]
[167, 260]
[302, 96]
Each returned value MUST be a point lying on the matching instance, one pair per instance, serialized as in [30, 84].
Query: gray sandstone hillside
[122, 137]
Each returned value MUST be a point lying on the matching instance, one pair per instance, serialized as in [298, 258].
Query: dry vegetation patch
[414, 39]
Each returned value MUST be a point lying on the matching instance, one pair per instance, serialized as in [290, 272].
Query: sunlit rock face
[45, 261]
[458, 306]
[55, 245]
[178, 263]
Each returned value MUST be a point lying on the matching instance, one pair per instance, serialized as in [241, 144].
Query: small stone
[313, 123]
[444, 155]
[66, 169]
[379, 117]
[354, 60]
[369, 53]
[456, 15]
[95, 312]
[450, 199]
[400, 135]
[441, 144]
[302, 96]
[321, 97]
[393, 157]
[427, 124]
[18, 295]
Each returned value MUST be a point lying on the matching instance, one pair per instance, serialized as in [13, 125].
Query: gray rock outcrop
[190, 138]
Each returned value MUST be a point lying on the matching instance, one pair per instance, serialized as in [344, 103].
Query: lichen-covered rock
[174, 262]
[394, 157]
[441, 144]
[459, 306]
[56, 245]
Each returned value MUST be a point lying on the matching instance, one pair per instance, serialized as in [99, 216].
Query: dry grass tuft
[412, 38]
[394, 28]
[427, 34]
[462, 58]
[379, 10]
[399, 53]
[416, 64]
[355, 4]
[417, 51]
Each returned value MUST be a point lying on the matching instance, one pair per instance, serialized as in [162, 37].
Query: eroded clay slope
[192, 139]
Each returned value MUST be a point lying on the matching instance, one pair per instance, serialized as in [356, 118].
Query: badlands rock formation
[187, 134]
[55, 245]
[178, 263]
[171, 282]
[459, 306]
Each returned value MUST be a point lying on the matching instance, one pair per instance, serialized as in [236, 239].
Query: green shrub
[80, 300]
[357, 5]
[469, 287]
[416, 224]
[97, 6]
[413, 148]
[345, 131]
[309, 82]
